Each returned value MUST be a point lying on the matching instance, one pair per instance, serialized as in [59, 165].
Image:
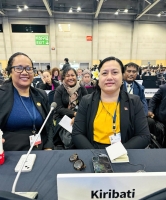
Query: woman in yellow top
[110, 114]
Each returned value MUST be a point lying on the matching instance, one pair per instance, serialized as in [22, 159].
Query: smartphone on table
[102, 164]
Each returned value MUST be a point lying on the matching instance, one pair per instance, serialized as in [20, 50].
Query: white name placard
[109, 186]
[149, 92]
[139, 81]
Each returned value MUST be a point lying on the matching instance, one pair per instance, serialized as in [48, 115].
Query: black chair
[36, 81]
[39, 85]
[149, 81]
[51, 96]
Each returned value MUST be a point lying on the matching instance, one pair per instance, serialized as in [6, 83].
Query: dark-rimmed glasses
[78, 163]
[20, 69]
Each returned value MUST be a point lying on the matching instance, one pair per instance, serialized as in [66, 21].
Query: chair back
[51, 96]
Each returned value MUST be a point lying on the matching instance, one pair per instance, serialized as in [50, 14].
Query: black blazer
[157, 104]
[133, 123]
[40, 100]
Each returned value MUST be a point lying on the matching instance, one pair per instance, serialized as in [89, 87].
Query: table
[48, 164]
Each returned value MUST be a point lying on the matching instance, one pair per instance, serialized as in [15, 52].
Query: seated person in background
[39, 74]
[110, 113]
[131, 86]
[157, 109]
[23, 108]
[86, 79]
[146, 73]
[49, 83]
[161, 77]
[68, 96]
[55, 72]
[38, 79]
[153, 73]
[79, 72]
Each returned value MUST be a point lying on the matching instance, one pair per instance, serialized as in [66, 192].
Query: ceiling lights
[78, 9]
[121, 11]
[162, 13]
[21, 7]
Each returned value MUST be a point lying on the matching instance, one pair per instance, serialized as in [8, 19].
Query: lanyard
[113, 116]
[33, 117]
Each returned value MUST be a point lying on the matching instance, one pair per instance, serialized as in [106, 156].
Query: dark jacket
[61, 97]
[16, 140]
[157, 104]
[46, 86]
[133, 123]
[139, 90]
[66, 65]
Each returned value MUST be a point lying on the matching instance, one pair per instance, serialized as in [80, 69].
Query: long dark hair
[106, 60]
[11, 60]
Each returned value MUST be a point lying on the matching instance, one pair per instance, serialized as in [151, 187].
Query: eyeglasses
[78, 163]
[20, 69]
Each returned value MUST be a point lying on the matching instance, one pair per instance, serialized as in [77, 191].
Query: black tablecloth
[48, 164]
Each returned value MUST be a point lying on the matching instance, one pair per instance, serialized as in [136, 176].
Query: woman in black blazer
[23, 107]
[68, 97]
[110, 114]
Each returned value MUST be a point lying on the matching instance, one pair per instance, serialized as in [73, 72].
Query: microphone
[31, 194]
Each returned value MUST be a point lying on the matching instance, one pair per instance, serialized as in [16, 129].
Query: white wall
[114, 39]
[73, 44]
[25, 42]
[151, 41]
[124, 40]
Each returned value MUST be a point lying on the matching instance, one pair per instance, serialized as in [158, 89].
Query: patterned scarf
[73, 95]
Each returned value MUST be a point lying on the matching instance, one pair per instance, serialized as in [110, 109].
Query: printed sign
[106, 186]
[42, 40]
[88, 38]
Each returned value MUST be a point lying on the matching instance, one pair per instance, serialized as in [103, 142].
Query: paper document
[117, 153]
[66, 123]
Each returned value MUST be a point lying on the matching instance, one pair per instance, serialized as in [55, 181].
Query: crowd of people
[108, 108]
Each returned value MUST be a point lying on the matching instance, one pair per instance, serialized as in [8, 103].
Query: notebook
[117, 153]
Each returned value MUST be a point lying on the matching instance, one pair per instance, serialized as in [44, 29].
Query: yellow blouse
[103, 123]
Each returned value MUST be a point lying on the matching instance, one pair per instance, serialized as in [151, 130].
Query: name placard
[109, 186]
[149, 92]
[139, 81]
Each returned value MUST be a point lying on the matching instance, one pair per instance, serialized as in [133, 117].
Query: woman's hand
[150, 114]
[72, 120]
[3, 140]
